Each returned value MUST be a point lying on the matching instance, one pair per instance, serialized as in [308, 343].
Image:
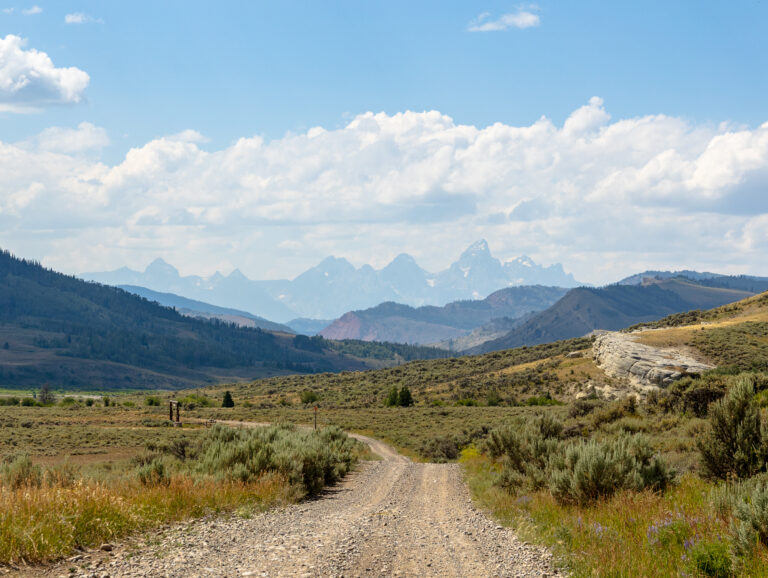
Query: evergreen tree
[405, 399]
[45, 395]
[393, 398]
[228, 401]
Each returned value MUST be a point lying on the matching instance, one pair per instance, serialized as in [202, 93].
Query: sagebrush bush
[311, 459]
[18, 471]
[526, 448]
[154, 473]
[586, 471]
[751, 520]
[736, 444]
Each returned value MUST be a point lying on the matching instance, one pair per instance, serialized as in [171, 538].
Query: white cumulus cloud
[520, 19]
[85, 137]
[29, 80]
[603, 196]
[32, 11]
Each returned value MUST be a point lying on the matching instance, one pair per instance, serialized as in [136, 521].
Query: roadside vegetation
[186, 473]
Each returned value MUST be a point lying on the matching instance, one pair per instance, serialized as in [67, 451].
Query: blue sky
[270, 72]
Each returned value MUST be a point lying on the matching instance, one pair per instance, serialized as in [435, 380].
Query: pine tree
[405, 399]
[45, 396]
[228, 401]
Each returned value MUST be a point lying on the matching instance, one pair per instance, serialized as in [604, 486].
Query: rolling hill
[614, 307]
[429, 324]
[202, 310]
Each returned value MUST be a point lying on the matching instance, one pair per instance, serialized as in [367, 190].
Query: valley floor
[392, 517]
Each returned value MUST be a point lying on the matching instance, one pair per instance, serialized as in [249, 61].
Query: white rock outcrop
[643, 366]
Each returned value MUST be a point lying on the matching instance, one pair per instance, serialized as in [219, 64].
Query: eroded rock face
[644, 366]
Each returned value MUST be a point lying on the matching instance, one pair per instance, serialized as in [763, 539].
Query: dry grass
[39, 524]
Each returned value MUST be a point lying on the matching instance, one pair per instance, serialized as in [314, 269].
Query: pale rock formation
[645, 367]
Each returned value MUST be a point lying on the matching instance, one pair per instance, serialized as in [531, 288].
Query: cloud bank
[605, 197]
[29, 80]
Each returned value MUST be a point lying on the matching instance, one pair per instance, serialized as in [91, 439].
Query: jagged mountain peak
[523, 260]
[237, 275]
[477, 249]
[160, 268]
[402, 259]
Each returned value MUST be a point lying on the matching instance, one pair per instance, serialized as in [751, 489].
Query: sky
[609, 137]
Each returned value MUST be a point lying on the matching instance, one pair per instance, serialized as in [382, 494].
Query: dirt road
[389, 518]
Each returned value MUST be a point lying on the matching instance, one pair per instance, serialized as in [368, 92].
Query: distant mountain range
[430, 324]
[66, 332]
[335, 286]
[614, 307]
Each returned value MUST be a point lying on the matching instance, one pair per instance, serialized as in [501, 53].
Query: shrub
[18, 471]
[608, 414]
[194, 400]
[152, 400]
[9, 400]
[751, 520]
[308, 396]
[525, 448]
[28, 402]
[154, 473]
[493, 398]
[45, 396]
[711, 558]
[589, 470]
[404, 398]
[542, 400]
[440, 449]
[310, 459]
[392, 397]
[582, 407]
[735, 445]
